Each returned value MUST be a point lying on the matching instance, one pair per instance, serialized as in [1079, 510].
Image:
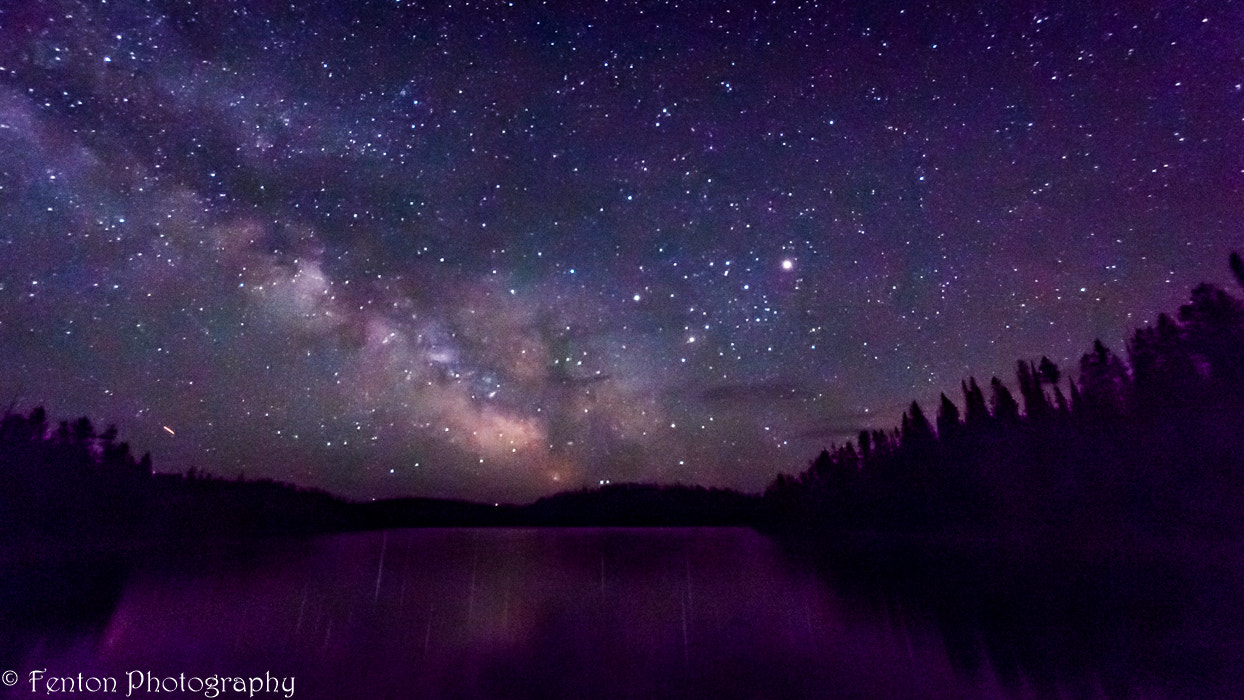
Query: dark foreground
[682, 612]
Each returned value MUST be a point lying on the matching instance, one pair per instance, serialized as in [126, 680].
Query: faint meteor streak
[169, 430]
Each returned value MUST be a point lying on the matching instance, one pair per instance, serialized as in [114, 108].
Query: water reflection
[625, 613]
[53, 604]
[1122, 624]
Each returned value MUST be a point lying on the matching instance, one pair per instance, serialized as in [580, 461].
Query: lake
[527, 613]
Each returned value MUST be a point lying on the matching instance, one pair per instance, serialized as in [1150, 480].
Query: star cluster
[495, 249]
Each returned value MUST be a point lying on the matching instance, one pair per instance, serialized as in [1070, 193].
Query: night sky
[497, 250]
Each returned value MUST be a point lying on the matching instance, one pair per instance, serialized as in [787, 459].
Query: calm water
[613, 613]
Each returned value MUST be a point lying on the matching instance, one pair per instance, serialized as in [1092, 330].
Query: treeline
[55, 479]
[74, 487]
[1148, 446]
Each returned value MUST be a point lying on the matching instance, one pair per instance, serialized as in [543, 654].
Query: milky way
[498, 250]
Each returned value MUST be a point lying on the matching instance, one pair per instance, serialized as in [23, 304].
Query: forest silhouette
[1146, 447]
[72, 492]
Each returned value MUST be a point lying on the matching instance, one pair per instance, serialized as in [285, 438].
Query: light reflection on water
[513, 613]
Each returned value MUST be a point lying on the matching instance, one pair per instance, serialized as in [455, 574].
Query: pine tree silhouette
[948, 424]
[1213, 323]
[977, 412]
[1103, 382]
[1005, 409]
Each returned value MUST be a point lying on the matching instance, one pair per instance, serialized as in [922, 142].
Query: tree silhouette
[1005, 409]
[1103, 382]
[949, 426]
[1165, 376]
[977, 413]
[1213, 323]
[1048, 371]
[1036, 406]
[917, 432]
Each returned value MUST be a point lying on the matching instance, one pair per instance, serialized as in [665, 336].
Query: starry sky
[500, 249]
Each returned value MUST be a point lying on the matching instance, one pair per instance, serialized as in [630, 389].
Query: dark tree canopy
[1151, 445]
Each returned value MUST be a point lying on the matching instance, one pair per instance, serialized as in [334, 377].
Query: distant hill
[72, 490]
